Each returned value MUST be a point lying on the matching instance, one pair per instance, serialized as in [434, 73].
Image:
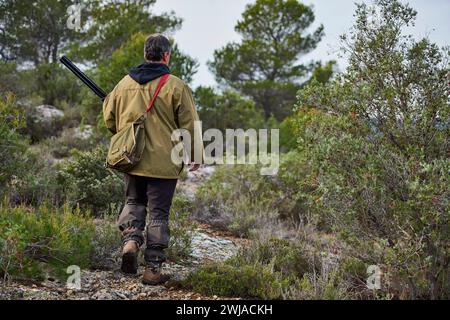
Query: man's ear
[166, 57]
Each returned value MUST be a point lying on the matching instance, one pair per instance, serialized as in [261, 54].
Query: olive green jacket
[173, 109]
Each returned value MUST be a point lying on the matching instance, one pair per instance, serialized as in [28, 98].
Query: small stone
[102, 295]
[120, 295]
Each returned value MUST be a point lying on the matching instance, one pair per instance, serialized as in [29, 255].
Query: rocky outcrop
[47, 113]
[43, 121]
[83, 132]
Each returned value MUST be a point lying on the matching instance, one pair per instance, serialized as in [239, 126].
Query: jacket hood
[148, 71]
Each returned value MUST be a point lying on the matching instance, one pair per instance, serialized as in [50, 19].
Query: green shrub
[287, 258]
[28, 175]
[37, 178]
[181, 228]
[288, 134]
[43, 241]
[391, 209]
[12, 143]
[270, 269]
[227, 110]
[9, 81]
[37, 183]
[71, 138]
[236, 198]
[106, 244]
[379, 156]
[87, 183]
[254, 281]
[311, 287]
[52, 83]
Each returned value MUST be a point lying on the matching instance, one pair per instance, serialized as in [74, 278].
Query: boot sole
[129, 263]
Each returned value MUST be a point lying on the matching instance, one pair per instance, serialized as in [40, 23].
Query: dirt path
[207, 245]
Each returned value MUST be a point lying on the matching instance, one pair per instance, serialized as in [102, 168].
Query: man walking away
[151, 183]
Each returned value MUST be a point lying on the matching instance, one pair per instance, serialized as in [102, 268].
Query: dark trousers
[156, 194]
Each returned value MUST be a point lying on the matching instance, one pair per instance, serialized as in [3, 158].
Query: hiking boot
[130, 257]
[154, 276]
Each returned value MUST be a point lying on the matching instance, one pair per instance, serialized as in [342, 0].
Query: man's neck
[161, 62]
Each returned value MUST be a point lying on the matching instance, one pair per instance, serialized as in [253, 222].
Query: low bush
[107, 244]
[52, 83]
[250, 274]
[72, 138]
[44, 241]
[225, 280]
[272, 269]
[37, 183]
[12, 143]
[236, 198]
[181, 228]
[9, 81]
[87, 183]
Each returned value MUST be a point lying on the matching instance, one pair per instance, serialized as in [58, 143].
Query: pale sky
[209, 25]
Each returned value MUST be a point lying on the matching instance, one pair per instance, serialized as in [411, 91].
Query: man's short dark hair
[155, 47]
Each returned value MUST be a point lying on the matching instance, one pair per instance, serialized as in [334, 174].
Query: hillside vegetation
[364, 169]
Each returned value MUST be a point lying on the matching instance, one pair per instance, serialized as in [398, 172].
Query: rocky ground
[207, 245]
[114, 285]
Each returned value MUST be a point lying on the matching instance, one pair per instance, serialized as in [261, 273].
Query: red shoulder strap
[161, 82]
